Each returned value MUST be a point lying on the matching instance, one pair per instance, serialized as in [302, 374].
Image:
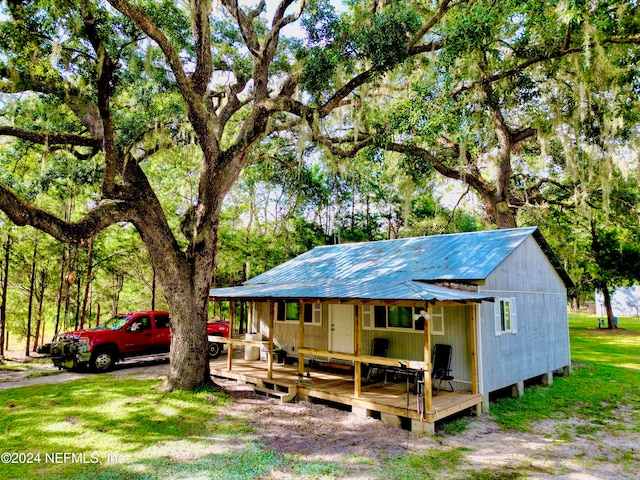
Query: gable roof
[391, 269]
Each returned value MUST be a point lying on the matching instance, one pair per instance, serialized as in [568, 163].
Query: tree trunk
[189, 365]
[188, 299]
[60, 290]
[117, 288]
[498, 211]
[87, 287]
[611, 324]
[32, 283]
[153, 290]
[78, 294]
[5, 287]
[40, 323]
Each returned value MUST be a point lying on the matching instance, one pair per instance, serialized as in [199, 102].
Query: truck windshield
[114, 323]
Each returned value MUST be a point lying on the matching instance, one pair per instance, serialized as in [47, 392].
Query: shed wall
[541, 342]
[405, 345]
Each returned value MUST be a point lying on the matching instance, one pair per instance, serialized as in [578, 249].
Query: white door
[341, 328]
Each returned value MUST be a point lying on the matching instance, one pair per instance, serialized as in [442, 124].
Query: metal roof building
[497, 299]
[403, 269]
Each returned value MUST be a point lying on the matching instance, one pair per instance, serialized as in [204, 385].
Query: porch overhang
[346, 292]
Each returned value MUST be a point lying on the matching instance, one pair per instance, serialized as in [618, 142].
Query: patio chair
[379, 348]
[441, 364]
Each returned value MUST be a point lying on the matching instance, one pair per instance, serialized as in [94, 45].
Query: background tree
[503, 82]
[129, 75]
[123, 84]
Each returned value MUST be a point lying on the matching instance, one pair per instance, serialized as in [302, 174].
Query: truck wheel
[102, 361]
[214, 350]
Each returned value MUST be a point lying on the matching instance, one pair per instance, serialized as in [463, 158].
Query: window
[398, 318]
[505, 315]
[290, 312]
[140, 324]
[162, 321]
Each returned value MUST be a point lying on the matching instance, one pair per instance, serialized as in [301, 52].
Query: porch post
[301, 340]
[229, 355]
[356, 348]
[250, 315]
[427, 361]
[232, 317]
[271, 327]
[473, 340]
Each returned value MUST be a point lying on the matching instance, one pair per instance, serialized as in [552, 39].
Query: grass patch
[506, 473]
[455, 427]
[43, 374]
[14, 367]
[316, 470]
[422, 466]
[605, 377]
[128, 427]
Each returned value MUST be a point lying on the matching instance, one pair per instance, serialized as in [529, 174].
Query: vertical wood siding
[403, 345]
[541, 343]
[286, 333]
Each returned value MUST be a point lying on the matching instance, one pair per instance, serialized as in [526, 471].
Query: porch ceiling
[349, 292]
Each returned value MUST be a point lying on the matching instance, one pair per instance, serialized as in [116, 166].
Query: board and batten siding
[286, 333]
[410, 346]
[541, 341]
[404, 345]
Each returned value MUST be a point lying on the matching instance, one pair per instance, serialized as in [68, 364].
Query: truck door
[137, 337]
[163, 332]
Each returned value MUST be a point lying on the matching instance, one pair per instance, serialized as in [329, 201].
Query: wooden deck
[387, 398]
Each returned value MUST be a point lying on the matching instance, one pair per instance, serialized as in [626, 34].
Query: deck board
[382, 397]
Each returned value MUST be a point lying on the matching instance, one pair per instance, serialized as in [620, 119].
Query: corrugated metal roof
[344, 291]
[390, 269]
[465, 257]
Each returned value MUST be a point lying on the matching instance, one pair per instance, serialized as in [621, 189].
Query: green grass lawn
[104, 427]
[606, 376]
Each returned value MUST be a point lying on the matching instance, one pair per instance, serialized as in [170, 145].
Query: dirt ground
[319, 433]
[316, 432]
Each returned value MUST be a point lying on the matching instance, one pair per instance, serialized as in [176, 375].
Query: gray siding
[541, 343]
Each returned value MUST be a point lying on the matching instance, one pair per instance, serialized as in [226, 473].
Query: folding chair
[441, 364]
[379, 348]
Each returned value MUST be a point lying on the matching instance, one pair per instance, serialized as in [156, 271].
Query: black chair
[379, 348]
[441, 364]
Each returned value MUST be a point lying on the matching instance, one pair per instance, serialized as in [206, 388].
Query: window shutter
[496, 310]
[366, 316]
[317, 313]
[514, 323]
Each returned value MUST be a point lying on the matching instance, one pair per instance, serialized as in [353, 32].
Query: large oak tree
[134, 73]
[138, 78]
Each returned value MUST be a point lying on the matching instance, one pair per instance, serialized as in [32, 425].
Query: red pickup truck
[123, 336]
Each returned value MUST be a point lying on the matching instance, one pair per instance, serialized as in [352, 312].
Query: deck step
[283, 396]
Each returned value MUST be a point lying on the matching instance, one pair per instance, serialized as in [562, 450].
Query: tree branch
[341, 152]
[50, 139]
[246, 28]
[453, 211]
[86, 111]
[24, 213]
[105, 67]
[562, 52]
[201, 27]
[443, 8]
[197, 112]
